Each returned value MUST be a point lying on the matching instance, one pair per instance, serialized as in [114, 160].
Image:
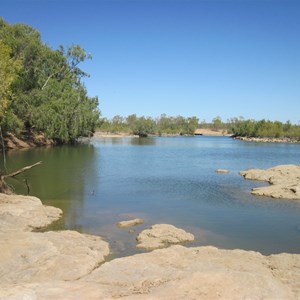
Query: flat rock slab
[284, 181]
[162, 235]
[177, 272]
[25, 213]
[27, 256]
[33, 257]
[130, 223]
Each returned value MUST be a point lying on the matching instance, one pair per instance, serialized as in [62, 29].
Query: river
[165, 180]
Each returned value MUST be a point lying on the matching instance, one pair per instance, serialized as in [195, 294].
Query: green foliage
[144, 126]
[264, 128]
[8, 74]
[217, 123]
[49, 95]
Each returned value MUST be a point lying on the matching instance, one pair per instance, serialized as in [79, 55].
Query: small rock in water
[162, 235]
[223, 171]
[130, 223]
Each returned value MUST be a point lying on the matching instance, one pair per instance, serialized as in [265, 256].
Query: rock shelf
[71, 265]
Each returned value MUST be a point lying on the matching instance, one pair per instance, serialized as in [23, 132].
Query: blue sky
[209, 58]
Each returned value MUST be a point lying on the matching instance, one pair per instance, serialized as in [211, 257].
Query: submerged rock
[284, 181]
[222, 171]
[162, 235]
[130, 223]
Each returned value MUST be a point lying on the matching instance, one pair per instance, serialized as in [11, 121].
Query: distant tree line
[179, 125]
[144, 126]
[252, 128]
[41, 89]
[263, 128]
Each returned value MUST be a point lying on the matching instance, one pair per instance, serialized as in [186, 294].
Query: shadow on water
[135, 141]
[63, 179]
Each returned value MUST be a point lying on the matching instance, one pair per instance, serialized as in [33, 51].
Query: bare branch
[47, 80]
[21, 170]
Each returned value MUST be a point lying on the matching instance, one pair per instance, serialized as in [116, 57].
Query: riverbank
[25, 141]
[35, 265]
[267, 140]
[199, 131]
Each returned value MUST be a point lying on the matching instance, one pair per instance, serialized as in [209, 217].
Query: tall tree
[49, 93]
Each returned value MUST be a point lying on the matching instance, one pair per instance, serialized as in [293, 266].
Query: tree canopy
[144, 126]
[41, 88]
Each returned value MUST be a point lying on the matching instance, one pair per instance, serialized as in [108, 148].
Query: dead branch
[21, 170]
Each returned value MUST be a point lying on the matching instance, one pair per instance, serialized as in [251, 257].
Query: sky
[203, 58]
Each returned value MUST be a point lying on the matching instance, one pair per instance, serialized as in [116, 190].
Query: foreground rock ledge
[68, 265]
[162, 235]
[64, 255]
[176, 272]
[27, 256]
[284, 180]
[25, 213]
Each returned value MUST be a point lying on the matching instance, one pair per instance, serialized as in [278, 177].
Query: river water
[165, 180]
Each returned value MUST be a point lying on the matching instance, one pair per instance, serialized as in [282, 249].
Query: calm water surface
[166, 180]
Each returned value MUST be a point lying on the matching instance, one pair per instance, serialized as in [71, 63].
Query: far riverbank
[268, 140]
[199, 131]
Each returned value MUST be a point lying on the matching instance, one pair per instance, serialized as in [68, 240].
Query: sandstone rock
[68, 265]
[268, 140]
[25, 213]
[176, 272]
[33, 257]
[130, 223]
[284, 180]
[222, 171]
[30, 256]
[161, 235]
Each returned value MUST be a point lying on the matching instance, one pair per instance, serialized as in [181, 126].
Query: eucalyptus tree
[49, 93]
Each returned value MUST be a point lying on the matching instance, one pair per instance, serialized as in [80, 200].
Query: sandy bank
[209, 132]
[70, 265]
[105, 134]
[199, 131]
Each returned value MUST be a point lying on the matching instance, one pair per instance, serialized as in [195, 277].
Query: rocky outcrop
[23, 213]
[177, 272]
[267, 140]
[35, 257]
[130, 223]
[27, 256]
[69, 265]
[284, 181]
[162, 235]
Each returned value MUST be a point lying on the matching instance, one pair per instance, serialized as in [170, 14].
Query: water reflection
[67, 175]
[165, 180]
[136, 141]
